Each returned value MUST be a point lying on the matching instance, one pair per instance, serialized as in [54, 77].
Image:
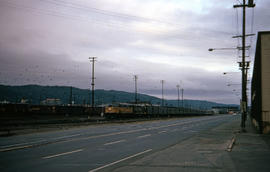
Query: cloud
[49, 42]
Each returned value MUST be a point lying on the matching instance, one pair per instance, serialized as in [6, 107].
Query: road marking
[111, 134]
[129, 157]
[63, 137]
[30, 144]
[131, 131]
[19, 144]
[192, 131]
[111, 143]
[147, 135]
[14, 148]
[66, 153]
[162, 132]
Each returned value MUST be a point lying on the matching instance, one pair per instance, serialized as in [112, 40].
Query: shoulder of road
[223, 148]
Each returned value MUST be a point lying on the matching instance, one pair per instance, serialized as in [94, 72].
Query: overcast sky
[48, 42]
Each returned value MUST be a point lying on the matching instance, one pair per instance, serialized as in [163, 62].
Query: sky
[49, 42]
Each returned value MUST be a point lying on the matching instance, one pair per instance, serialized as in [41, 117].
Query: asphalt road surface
[96, 148]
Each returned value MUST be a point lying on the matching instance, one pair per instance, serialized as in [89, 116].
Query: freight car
[118, 112]
[148, 111]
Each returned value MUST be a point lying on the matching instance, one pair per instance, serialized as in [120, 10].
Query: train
[133, 111]
[109, 111]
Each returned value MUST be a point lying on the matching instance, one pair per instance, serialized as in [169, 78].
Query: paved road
[96, 148]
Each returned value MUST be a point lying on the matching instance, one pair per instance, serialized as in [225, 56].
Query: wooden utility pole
[244, 64]
[70, 96]
[182, 91]
[162, 92]
[92, 59]
[136, 91]
[178, 93]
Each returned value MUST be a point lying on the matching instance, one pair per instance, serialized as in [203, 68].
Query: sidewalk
[251, 151]
[208, 151]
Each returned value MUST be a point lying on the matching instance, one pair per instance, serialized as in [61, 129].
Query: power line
[59, 14]
[106, 12]
[251, 29]
[107, 23]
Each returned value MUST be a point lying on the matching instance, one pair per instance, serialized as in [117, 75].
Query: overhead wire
[251, 38]
[106, 12]
[108, 22]
[237, 33]
[130, 18]
[55, 13]
[117, 14]
[251, 29]
[115, 25]
[126, 17]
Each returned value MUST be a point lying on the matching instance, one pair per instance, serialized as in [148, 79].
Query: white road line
[67, 136]
[132, 156]
[134, 131]
[66, 153]
[192, 131]
[19, 144]
[147, 135]
[162, 132]
[30, 144]
[111, 143]
[14, 148]
[111, 134]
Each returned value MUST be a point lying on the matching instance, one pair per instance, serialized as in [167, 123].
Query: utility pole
[178, 86]
[136, 92]
[243, 64]
[182, 92]
[70, 96]
[93, 59]
[162, 100]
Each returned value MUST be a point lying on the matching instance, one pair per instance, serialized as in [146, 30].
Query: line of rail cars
[148, 111]
[128, 111]
[24, 109]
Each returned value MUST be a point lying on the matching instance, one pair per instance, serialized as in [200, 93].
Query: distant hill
[36, 93]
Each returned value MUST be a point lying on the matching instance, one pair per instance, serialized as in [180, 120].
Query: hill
[35, 94]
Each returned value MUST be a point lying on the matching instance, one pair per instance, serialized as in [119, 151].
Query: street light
[235, 48]
[243, 102]
[212, 49]
[232, 84]
[225, 73]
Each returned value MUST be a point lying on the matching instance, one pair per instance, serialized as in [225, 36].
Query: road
[96, 148]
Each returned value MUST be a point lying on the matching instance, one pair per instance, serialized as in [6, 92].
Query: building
[260, 86]
[51, 101]
[225, 109]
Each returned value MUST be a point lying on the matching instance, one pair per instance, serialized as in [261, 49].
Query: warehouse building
[260, 88]
[225, 109]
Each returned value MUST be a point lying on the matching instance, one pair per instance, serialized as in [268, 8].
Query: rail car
[122, 111]
[147, 111]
